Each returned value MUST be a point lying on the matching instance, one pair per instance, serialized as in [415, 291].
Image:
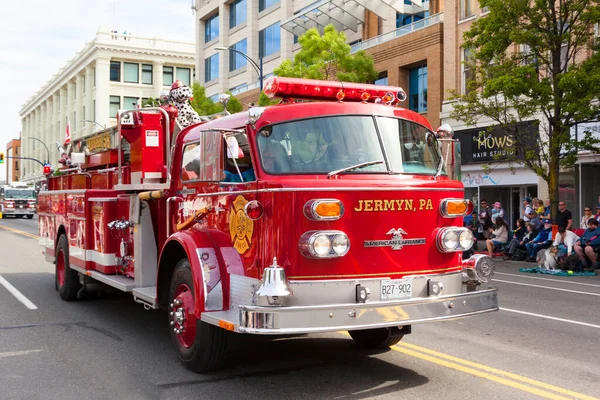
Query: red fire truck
[331, 213]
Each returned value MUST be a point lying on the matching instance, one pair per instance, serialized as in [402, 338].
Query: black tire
[375, 338]
[70, 286]
[30, 216]
[206, 350]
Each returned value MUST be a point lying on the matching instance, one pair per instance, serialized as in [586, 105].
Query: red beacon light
[331, 90]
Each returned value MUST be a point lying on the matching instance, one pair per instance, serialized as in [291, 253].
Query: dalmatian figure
[180, 95]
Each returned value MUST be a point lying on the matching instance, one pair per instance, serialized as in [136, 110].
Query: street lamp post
[39, 140]
[94, 122]
[257, 67]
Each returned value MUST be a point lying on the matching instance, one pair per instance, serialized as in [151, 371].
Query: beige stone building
[112, 72]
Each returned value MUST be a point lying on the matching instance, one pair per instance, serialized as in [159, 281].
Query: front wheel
[201, 347]
[30, 216]
[375, 338]
[66, 281]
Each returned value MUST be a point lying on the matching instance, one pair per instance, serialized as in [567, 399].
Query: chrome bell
[274, 289]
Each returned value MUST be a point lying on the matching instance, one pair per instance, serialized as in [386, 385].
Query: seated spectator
[565, 241]
[597, 216]
[588, 244]
[499, 236]
[542, 241]
[517, 239]
[587, 214]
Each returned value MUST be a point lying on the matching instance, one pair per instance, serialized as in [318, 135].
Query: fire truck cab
[334, 214]
[18, 200]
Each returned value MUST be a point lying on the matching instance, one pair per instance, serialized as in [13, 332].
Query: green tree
[205, 106]
[328, 57]
[529, 60]
[264, 100]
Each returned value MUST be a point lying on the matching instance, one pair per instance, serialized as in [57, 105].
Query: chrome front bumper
[327, 318]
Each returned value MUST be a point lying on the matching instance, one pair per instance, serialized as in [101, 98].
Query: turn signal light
[451, 208]
[254, 210]
[323, 209]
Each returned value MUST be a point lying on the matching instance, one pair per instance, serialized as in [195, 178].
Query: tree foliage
[530, 58]
[328, 57]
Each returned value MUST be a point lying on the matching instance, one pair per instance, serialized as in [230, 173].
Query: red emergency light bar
[331, 90]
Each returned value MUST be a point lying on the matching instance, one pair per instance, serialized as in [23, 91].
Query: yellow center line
[19, 232]
[485, 372]
[498, 371]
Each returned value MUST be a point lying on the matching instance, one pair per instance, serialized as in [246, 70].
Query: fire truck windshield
[19, 194]
[325, 144]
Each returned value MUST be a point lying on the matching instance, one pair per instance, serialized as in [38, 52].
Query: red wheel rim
[183, 320]
[60, 268]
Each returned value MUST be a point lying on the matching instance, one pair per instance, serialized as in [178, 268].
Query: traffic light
[1, 158]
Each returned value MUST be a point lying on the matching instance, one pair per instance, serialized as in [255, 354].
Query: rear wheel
[66, 280]
[375, 338]
[30, 216]
[201, 347]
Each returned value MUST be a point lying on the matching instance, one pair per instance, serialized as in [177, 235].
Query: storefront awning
[343, 14]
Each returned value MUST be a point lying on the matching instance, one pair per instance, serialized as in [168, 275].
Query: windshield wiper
[350, 168]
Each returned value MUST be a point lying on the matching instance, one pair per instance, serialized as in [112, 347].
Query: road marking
[31, 235]
[490, 373]
[17, 294]
[548, 279]
[18, 353]
[547, 287]
[493, 370]
[553, 318]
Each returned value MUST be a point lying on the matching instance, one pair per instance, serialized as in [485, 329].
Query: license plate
[393, 289]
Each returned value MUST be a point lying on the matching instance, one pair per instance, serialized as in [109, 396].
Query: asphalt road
[542, 344]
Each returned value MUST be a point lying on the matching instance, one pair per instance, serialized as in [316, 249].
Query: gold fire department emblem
[240, 226]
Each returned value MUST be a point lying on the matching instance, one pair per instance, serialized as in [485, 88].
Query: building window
[115, 104]
[418, 89]
[74, 90]
[214, 98]
[238, 13]
[382, 79]
[167, 76]
[147, 74]
[130, 103]
[83, 112]
[131, 73]
[211, 29]
[236, 60]
[468, 73]
[94, 110]
[467, 8]
[269, 40]
[115, 71]
[83, 80]
[183, 75]
[407, 19]
[74, 127]
[211, 68]
[264, 4]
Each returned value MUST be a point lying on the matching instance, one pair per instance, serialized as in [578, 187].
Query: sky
[38, 37]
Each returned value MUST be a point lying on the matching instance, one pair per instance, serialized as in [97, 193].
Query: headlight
[340, 244]
[466, 239]
[324, 244]
[454, 239]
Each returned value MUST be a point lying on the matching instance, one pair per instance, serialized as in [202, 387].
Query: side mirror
[233, 147]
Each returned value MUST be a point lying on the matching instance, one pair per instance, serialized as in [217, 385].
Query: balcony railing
[403, 30]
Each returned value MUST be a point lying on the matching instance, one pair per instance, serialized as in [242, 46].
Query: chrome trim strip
[330, 189]
[73, 191]
[292, 281]
[43, 214]
[102, 199]
[76, 218]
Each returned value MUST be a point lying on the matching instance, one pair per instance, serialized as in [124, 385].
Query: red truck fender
[206, 265]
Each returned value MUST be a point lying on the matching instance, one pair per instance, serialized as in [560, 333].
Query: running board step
[146, 296]
[120, 282]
